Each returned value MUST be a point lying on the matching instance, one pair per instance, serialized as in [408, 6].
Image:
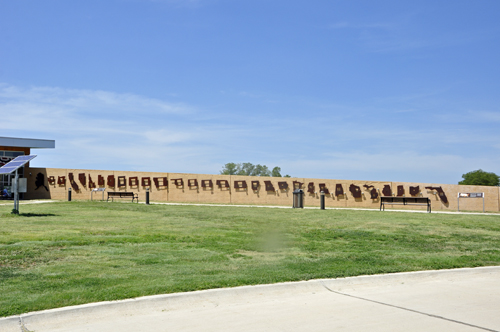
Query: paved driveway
[448, 300]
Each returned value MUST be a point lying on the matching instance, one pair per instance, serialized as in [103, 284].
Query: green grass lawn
[68, 253]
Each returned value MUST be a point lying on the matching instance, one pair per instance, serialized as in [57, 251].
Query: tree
[230, 169]
[480, 178]
[250, 170]
[276, 172]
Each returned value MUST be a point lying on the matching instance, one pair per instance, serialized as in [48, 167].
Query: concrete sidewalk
[446, 300]
[328, 208]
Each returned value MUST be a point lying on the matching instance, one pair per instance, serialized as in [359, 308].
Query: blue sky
[367, 90]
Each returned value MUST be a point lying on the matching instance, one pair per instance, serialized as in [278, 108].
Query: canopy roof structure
[31, 143]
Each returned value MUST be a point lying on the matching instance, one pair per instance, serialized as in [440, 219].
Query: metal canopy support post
[16, 193]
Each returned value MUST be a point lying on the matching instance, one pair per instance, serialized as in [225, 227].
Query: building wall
[191, 190]
[10, 148]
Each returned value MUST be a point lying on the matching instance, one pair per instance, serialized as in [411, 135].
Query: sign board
[95, 190]
[23, 185]
[470, 195]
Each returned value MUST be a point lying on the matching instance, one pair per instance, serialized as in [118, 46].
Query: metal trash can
[298, 199]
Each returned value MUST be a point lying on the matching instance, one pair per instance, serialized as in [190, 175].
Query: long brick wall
[167, 191]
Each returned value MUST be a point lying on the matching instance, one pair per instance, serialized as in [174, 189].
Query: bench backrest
[391, 199]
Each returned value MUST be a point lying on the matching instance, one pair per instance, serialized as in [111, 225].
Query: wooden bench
[424, 201]
[122, 194]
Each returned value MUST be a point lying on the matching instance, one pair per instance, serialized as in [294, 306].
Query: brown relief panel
[387, 190]
[414, 191]
[222, 184]
[100, 180]
[339, 190]
[146, 181]
[72, 182]
[269, 186]
[401, 190]
[133, 181]
[373, 191]
[283, 185]
[240, 184]
[61, 180]
[51, 180]
[111, 181]
[355, 191]
[193, 183]
[122, 181]
[310, 188]
[83, 179]
[255, 185]
[323, 188]
[297, 185]
[440, 192]
[207, 184]
[160, 182]
[91, 183]
[178, 182]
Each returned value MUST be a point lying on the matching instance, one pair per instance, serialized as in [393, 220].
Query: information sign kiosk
[469, 195]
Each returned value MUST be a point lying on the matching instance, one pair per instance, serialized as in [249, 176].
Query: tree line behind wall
[480, 178]
[250, 169]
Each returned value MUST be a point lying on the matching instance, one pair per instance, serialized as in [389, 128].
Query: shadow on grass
[37, 215]
[13, 215]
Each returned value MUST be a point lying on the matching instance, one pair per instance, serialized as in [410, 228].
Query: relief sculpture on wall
[72, 182]
[91, 183]
[82, 178]
[373, 191]
[207, 184]
[111, 181]
[40, 181]
[133, 182]
[355, 191]
[401, 191]
[310, 188]
[387, 190]
[440, 192]
[255, 185]
[339, 190]
[283, 185]
[414, 191]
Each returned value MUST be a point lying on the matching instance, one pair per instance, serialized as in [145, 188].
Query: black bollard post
[69, 195]
[322, 199]
[147, 196]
